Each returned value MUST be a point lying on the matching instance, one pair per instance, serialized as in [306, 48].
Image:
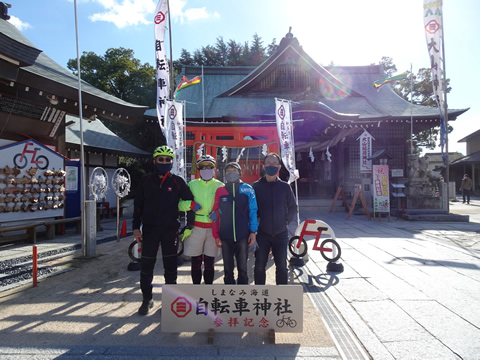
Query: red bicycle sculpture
[329, 248]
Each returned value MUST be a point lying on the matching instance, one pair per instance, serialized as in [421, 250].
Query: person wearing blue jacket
[235, 223]
[276, 209]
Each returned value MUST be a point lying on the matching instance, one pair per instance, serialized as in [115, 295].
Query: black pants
[152, 239]
[466, 195]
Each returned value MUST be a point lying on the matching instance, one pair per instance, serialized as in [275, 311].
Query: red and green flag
[379, 83]
[184, 84]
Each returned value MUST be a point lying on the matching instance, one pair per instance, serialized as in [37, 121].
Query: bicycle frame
[317, 235]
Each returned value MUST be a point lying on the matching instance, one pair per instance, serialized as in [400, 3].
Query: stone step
[436, 217]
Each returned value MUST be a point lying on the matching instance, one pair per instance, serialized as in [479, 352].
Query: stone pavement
[409, 290]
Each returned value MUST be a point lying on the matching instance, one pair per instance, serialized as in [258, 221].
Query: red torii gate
[248, 135]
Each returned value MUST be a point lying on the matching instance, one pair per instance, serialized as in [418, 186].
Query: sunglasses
[206, 167]
[166, 159]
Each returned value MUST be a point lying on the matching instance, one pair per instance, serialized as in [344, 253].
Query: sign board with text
[381, 196]
[232, 308]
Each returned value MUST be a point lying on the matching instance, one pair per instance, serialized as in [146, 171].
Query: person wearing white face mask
[200, 243]
[235, 223]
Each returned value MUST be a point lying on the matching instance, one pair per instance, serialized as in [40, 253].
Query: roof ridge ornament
[4, 10]
[289, 34]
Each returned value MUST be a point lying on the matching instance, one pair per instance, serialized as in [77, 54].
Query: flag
[433, 21]
[162, 76]
[285, 134]
[184, 84]
[174, 134]
[379, 83]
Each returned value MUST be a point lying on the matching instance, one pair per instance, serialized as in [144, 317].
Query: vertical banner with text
[381, 195]
[365, 152]
[283, 116]
[162, 69]
[433, 22]
[174, 134]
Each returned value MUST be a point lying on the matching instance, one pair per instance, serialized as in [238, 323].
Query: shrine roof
[231, 92]
[97, 136]
[41, 72]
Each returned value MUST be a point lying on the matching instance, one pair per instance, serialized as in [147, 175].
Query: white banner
[283, 116]
[163, 73]
[365, 152]
[174, 134]
[433, 21]
[381, 195]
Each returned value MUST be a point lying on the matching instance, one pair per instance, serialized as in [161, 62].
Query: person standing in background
[466, 188]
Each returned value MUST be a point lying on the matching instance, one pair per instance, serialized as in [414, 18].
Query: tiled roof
[16, 46]
[38, 70]
[226, 92]
[469, 159]
[97, 135]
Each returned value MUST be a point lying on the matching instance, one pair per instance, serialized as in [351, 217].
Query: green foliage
[230, 53]
[120, 74]
[422, 94]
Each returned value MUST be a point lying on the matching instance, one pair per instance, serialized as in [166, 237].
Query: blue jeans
[279, 244]
[239, 250]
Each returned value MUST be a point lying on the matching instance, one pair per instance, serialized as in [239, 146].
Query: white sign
[283, 116]
[174, 134]
[365, 152]
[232, 308]
[31, 185]
[71, 178]
[381, 195]
[163, 71]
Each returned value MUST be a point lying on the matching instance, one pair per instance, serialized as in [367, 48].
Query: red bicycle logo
[21, 161]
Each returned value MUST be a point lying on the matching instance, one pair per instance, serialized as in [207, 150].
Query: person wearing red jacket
[235, 223]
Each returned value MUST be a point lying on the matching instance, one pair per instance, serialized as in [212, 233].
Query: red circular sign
[159, 17]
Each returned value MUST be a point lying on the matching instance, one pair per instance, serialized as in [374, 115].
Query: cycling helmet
[163, 150]
[235, 165]
[205, 160]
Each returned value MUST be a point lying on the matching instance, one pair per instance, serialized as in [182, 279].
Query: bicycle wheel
[280, 323]
[18, 162]
[294, 249]
[42, 162]
[292, 323]
[134, 251]
[331, 247]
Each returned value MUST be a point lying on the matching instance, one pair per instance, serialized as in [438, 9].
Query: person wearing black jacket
[156, 208]
[276, 209]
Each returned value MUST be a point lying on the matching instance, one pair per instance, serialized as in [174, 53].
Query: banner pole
[447, 165]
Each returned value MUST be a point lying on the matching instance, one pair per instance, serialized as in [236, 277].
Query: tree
[228, 53]
[120, 74]
[257, 51]
[422, 90]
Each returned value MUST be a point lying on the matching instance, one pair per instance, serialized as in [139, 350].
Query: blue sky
[345, 32]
